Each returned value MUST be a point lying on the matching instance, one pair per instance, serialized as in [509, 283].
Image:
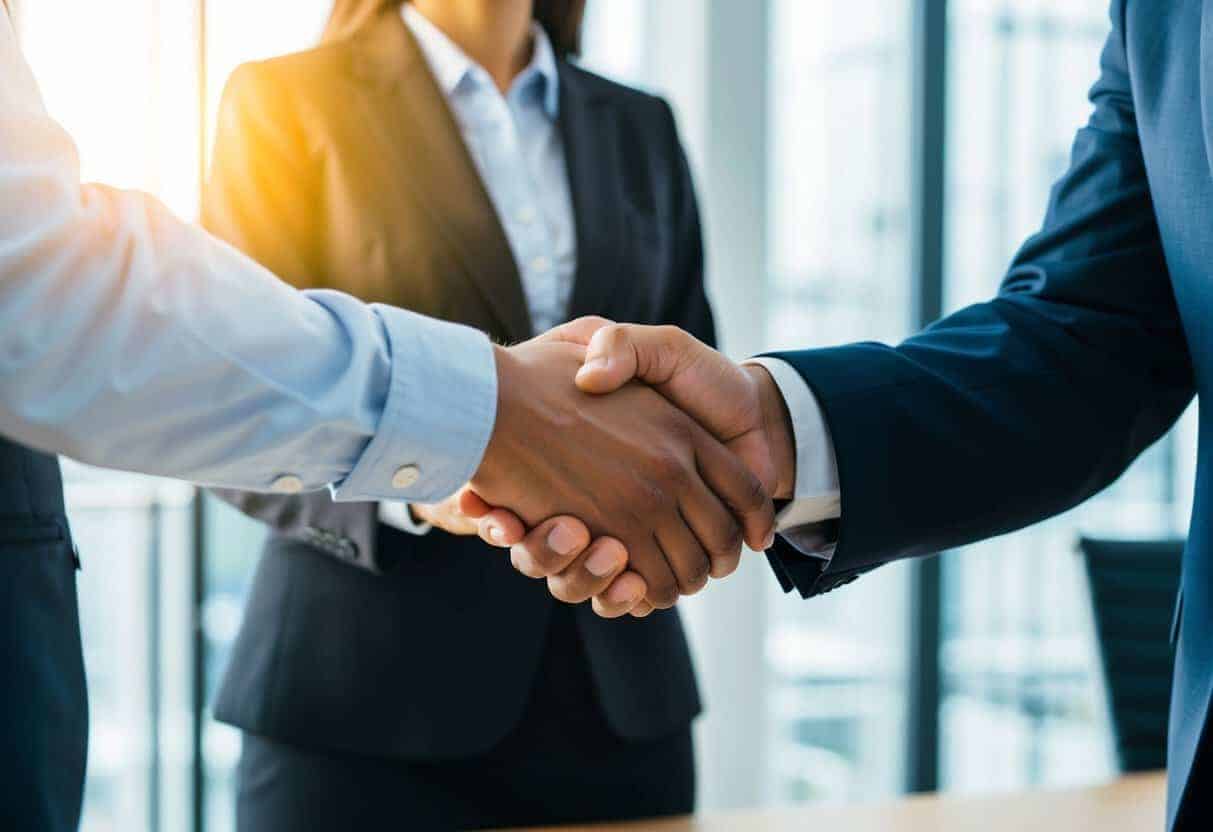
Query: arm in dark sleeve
[260, 197]
[1017, 409]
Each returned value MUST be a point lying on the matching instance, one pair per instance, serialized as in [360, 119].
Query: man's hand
[631, 465]
[560, 550]
[741, 405]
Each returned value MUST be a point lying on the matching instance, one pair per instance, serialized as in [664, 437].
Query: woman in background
[443, 156]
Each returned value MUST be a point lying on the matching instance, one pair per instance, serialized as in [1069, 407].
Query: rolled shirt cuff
[438, 416]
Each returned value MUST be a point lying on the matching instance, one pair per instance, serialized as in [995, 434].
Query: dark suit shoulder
[638, 102]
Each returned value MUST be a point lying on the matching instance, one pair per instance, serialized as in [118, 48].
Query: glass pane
[614, 43]
[838, 250]
[233, 543]
[1021, 701]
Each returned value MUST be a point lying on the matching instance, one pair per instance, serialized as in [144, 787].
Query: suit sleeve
[261, 196]
[1017, 409]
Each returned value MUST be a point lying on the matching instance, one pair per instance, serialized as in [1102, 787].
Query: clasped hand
[627, 464]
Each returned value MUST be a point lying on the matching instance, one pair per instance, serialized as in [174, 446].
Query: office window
[1021, 699]
[614, 40]
[838, 249]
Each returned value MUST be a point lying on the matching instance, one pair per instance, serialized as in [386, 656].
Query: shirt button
[541, 264]
[526, 216]
[287, 484]
[406, 476]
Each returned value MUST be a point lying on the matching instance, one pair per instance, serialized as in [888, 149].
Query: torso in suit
[43, 706]
[1017, 409]
[343, 168]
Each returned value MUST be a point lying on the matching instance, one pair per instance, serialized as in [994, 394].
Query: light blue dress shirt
[132, 340]
[514, 141]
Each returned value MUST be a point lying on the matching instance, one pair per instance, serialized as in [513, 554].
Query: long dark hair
[561, 19]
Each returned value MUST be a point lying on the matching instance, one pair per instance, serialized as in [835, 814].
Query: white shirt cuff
[438, 417]
[816, 495]
[398, 517]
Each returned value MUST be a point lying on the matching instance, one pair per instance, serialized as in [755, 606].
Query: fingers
[591, 573]
[623, 596]
[496, 526]
[550, 547]
[502, 528]
[717, 530]
[686, 556]
[734, 483]
[649, 561]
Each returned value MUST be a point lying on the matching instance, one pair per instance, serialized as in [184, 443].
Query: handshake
[627, 464]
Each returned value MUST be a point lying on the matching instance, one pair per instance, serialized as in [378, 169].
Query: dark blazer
[342, 167]
[1017, 409]
[43, 704]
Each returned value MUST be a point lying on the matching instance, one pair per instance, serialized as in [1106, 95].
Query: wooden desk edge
[1135, 802]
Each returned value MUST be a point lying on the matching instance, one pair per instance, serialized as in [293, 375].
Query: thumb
[578, 331]
[694, 377]
[618, 353]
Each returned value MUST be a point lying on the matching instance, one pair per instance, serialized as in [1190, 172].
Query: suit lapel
[591, 150]
[439, 170]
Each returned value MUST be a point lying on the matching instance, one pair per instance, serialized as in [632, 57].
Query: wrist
[505, 365]
[777, 426]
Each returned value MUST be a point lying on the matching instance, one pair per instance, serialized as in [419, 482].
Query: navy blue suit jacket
[1019, 408]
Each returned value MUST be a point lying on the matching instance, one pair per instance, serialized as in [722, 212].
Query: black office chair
[1133, 590]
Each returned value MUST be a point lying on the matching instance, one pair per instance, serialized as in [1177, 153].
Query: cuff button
[287, 484]
[406, 476]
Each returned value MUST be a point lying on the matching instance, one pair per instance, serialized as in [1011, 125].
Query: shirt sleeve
[132, 340]
[810, 519]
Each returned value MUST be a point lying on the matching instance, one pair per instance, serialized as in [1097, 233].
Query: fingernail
[496, 534]
[597, 363]
[603, 562]
[770, 541]
[618, 594]
[561, 540]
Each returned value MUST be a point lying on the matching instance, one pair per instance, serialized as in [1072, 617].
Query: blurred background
[864, 167]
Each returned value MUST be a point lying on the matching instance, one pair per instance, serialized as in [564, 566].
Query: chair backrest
[1133, 590]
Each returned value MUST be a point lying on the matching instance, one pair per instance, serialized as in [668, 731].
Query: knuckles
[696, 578]
[729, 542]
[663, 594]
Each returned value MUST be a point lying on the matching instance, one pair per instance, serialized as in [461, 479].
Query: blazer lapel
[440, 171]
[591, 151]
